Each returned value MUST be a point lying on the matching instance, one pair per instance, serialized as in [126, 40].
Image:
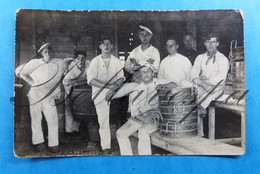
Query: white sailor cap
[146, 29]
[47, 45]
[146, 66]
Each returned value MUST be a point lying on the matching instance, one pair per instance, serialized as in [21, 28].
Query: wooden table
[229, 104]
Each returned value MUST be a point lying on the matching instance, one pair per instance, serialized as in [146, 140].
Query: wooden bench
[232, 105]
[193, 145]
[202, 146]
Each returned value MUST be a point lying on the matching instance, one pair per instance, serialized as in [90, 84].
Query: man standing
[105, 73]
[210, 69]
[44, 76]
[175, 67]
[187, 50]
[142, 54]
[76, 76]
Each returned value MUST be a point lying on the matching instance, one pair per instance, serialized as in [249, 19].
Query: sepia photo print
[112, 83]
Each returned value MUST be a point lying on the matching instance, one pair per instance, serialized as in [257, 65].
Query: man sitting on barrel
[208, 74]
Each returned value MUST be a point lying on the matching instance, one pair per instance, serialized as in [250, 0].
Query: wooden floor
[227, 127]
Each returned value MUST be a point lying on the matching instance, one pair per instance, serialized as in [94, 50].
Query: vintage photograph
[112, 83]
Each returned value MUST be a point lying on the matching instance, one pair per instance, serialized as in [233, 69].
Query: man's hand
[136, 65]
[150, 119]
[110, 95]
[29, 80]
[112, 86]
[204, 78]
[197, 81]
[207, 87]
[151, 61]
[171, 85]
[168, 85]
[68, 59]
[133, 61]
[160, 86]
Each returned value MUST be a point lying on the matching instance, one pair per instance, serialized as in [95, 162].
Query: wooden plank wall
[63, 46]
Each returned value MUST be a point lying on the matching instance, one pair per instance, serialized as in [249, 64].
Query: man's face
[147, 74]
[46, 53]
[80, 61]
[145, 37]
[211, 44]
[171, 46]
[187, 41]
[106, 46]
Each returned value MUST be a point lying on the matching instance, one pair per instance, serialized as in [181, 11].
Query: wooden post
[115, 22]
[34, 37]
[211, 123]
[243, 130]
[200, 126]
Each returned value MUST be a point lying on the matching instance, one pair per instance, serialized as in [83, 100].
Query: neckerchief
[210, 56]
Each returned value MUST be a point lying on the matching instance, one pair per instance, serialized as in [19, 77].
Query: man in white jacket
[175, 67]
[105, 73]
[209, 70]
[44, 76]
[144, 53]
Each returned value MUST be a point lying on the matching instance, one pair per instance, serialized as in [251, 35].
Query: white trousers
[50, 113]
[144, 130]
[102, 109]
[205, 101]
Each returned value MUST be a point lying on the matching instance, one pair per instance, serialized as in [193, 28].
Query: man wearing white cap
[144, 113]
[144, 53]
[44, 76]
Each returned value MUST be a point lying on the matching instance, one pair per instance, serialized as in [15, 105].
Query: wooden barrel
[174, 105]
[237, 53]
[238, 72]
[83, 106]
[84, 110]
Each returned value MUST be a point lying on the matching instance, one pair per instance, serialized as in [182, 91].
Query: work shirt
[98, 70]
[46, 78]
[175, 68]
[215, 71]
[145, 98]
[141, 57]
[73, 73]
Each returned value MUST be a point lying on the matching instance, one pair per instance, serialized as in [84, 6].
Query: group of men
[105, 73]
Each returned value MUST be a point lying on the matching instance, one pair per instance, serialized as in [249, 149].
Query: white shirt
[175, 68]
[216, 71]
[144, 98]
[45, 77]
[73, 73]
[98, 70]
[141, 57]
